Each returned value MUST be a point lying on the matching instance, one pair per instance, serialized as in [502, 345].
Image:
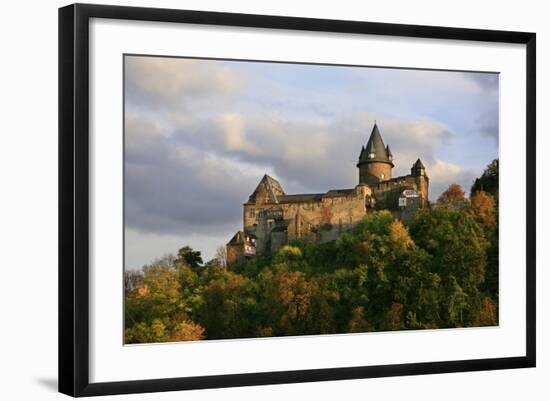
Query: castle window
[382, 176]
[252, 213]
[371, 155]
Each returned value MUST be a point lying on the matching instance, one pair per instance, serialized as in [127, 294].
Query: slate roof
[418, 165]
[337, 193]
[375, 146]
[300, 198]
[273, 187]
[238, 239]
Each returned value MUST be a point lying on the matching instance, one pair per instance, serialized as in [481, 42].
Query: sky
[200, 134]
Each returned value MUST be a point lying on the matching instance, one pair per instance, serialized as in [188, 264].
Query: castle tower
[418, 171]
[375, 161]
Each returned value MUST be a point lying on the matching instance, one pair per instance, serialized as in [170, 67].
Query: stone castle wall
[321, 220]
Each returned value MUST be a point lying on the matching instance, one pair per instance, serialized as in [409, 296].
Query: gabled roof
[238, 239]
[375, 147]
[271, 187]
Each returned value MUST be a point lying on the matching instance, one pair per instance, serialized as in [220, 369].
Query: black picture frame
[74, 198]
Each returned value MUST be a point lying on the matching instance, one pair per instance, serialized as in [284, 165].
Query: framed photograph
[252, 199]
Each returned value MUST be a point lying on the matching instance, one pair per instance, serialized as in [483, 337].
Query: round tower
[375, 160]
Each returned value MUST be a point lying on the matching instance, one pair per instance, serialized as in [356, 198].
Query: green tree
[191, 257]
[229, 307]
[458, 250]
[488, 182]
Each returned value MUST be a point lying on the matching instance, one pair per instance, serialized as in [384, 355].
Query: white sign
[402, 201]
[410, 193]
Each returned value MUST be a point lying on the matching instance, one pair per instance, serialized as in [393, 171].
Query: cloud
[312, 154]
[173, 188]
[232, 128]
[442, 174]
[157, 85]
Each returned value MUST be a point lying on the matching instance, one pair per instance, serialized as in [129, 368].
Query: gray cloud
[175, 189]
[314, 154]
[176, 83]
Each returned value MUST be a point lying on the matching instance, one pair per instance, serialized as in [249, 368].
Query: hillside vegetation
[440, 271]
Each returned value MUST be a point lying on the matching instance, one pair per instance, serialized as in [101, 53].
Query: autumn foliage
[439, 271]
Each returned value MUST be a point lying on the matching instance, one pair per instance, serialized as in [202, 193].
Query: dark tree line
[440, 271]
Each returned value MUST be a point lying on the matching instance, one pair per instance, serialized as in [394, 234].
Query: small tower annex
[418, 171]
[375, 160]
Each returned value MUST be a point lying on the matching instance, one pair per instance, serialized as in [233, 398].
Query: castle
[272, 217]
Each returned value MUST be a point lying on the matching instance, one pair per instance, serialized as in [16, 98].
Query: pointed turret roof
[362, 154]
[375, 150]
[418, 165]
[375, 143]
[271, 187]
[418, 168]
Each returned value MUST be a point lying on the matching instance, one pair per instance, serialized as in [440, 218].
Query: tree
[488, 182]
[186, 331]
[229, 306]
[132, 280]
[458, 250]
[458, 303]
[358, 323]
[483, 207]
[221, 255]
[488, 315]
[453, 197]
[189, 256]
[285, 301]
